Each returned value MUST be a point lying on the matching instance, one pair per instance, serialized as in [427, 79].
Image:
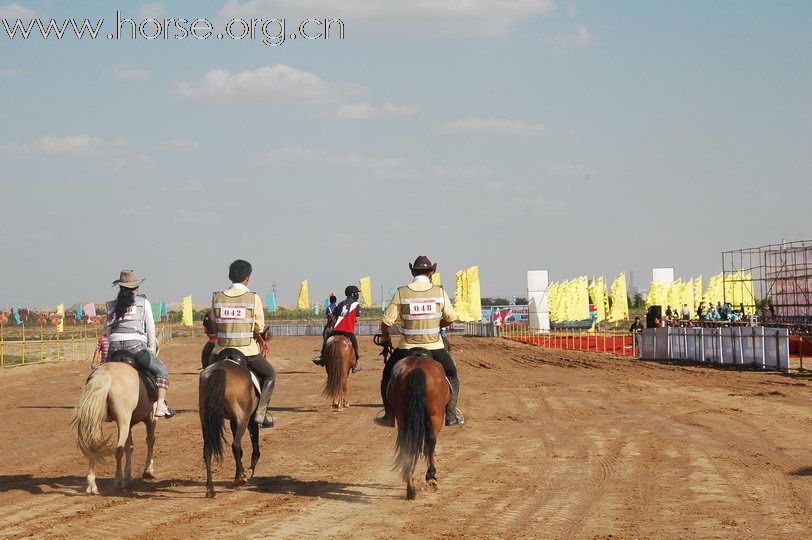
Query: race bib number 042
[422, 307]
[233, 313]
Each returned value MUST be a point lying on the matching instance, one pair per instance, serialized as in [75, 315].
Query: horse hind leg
[431, 473]
[128, 458]
[92, 488]
[237, 431]
[344, 388]
[207, 452]
[253, 430]
[149, 465]
[123, 435]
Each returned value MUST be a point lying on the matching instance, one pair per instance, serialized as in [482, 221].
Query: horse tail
[415, 431]
[335, 371]
[213, 413]
[88, 416]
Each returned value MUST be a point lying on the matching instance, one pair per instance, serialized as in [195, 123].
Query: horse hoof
[92, 491]
[239, 482]
[411, 493]
[148, 476]
[210, 494]
[431, 485]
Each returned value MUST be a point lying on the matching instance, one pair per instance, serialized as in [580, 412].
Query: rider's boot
[262, 416]
[451, 416]
[357, 366]
[388, 419]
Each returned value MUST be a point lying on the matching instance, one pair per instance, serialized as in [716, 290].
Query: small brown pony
[339, 357]
[418, 392]
[115, 390]
[227, 392]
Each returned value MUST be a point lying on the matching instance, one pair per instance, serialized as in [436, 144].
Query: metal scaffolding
[779, 274]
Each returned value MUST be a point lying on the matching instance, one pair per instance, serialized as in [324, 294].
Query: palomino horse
[228, 392]
[115, 390]
[339, 357]
[418, 391]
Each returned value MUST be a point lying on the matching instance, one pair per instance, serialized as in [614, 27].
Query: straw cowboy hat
[128, 280]
[422, 263]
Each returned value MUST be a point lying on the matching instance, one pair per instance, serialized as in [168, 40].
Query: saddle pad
[254, 379]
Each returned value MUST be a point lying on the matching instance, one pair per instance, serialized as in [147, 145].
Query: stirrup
[357, 367]
[457, 420]
[266, 422]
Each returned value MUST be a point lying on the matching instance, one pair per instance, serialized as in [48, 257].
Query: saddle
[140, 362]
[236, 357]
[420, 351]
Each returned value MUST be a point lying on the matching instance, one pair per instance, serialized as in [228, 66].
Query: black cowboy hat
[422, 263]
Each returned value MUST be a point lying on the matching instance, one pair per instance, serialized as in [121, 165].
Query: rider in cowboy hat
[130, 326]
[423, 308]
[344, 316]
[237, 318]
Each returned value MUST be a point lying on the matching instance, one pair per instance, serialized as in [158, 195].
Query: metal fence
[34, 346]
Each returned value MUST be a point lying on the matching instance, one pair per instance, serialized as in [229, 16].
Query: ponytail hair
[124, 300]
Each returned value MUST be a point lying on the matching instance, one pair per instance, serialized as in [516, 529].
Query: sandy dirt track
[556, 445]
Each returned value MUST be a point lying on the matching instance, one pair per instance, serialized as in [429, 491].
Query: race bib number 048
[422, 307]
[233, 313]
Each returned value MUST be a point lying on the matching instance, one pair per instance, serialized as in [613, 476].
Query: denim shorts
[156, 367]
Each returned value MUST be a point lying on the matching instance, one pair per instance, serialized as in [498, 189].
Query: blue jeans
[156, 367]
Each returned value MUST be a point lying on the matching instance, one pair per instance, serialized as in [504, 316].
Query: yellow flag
[60, 310]
[304, 298]
[474, 299]
[620, 300]
[365, 284]
[186, 319]
[597, 291]
[697, 292]
[435, 278]
[461, 297]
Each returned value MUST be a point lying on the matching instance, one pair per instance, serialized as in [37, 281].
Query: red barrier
[609, 343]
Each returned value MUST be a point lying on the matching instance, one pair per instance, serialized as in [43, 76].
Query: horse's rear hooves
[239, 483]
[92, 491]
[411, 493]
[210, 494]
[148, 476]
[431, 485]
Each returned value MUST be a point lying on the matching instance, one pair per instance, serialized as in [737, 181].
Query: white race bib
[422, 307]
[233, 313]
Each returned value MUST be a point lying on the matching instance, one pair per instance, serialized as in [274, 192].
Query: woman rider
[130, 326]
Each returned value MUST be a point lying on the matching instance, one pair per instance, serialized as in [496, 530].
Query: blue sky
[581, 137]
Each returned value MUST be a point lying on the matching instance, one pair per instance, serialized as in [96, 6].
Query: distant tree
[638, 302]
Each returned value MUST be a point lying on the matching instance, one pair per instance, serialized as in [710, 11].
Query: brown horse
[418, 391]
[339, 357]
[115, 391]
[227, 392]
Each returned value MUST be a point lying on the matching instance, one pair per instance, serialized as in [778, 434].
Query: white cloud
[415, 18]
[9, 73]
[364, 111]
[580, 39]
[572, 9]
[570, 170]
[16, 11]
[124, 162]
[188, 186]
[131, 73]
[152, 11]
[493, 126]
[181, 145]
[382, 168]
[270, 83]
[71, 145]
[453, 173]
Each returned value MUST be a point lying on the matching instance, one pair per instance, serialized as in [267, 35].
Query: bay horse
[418, 392]
[227, 392]
[339, 357]
[116, 391]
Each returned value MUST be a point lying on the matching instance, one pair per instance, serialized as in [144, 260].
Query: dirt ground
[557, 444]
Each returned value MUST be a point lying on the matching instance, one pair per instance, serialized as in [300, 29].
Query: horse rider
[345, 315]
[131, 327]
[423, 308]
[238, 318]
